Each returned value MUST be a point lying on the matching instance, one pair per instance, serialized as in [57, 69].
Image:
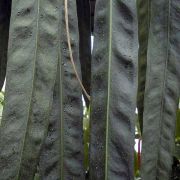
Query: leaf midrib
[109, 87]
[61, 79]
[61, 120]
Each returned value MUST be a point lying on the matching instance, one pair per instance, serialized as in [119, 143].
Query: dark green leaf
[5, 11]
[62, 154]
[31, 71]
[143, 7]
[49, 165]
[114, 88]
[162, 90]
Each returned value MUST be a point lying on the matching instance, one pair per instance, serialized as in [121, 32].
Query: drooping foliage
[114, 84]
[143, 9]
[46, 59]
[31, 72]
[162, 90]
[62, 153]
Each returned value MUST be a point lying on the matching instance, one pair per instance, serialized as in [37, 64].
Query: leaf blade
[143, 8]
[162, 90]
[62, 156]
[30, 78]
[115, 32]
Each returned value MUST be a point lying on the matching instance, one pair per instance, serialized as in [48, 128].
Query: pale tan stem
[70, 49]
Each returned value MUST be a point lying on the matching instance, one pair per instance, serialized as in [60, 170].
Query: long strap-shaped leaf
[32, 64]
[72, 119]
[162, 89]
[84, 22]
[49, 165]
[5, 11]
[114, 88]
[62, 156]
[143, 7]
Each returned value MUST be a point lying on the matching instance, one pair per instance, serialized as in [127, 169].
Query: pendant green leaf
[62, 154]
[49, 165]
[143, 7]
[162, 90]
[114, 88]
[31, 72]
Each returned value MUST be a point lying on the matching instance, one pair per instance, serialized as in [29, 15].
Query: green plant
[48, 131]
[161, 92]
[114, 84]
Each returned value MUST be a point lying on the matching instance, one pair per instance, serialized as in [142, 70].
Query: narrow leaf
[31, 71]
[114, 88]
[162, 90]
[49, 165]
[143, 7]
[84, 22]
[5, 11]
[62, 154]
